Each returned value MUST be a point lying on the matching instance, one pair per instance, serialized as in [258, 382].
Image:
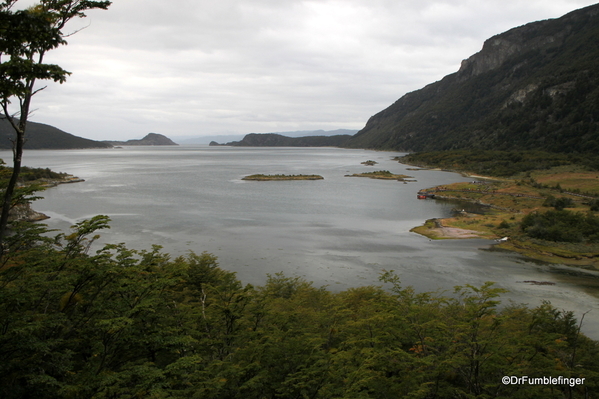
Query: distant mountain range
[42, 136]
[221, 139]
[279, 140]
[532, 87]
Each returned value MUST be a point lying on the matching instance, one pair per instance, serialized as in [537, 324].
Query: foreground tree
[25, 38]
[119, 323]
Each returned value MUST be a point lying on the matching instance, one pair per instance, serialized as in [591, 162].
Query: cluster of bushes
[562, 226]
[118, 323]
[29, 174]
[594, 204]
[558, 203]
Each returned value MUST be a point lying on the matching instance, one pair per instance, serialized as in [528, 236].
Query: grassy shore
[509, 201]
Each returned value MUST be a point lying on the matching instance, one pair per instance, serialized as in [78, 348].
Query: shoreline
[436, 230]
[509, 200]
[25, 212]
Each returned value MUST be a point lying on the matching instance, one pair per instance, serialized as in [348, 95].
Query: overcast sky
[206, 67]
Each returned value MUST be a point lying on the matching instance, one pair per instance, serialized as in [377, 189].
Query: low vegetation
[381, 174]
[548, 213]
[369, 163]
[501, 163]
[31, 174]
[261, 177]
[120, 323]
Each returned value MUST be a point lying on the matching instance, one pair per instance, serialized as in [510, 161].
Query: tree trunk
[17, 158]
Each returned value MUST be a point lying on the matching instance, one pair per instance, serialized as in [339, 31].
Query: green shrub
[561, 226]
[504, 225]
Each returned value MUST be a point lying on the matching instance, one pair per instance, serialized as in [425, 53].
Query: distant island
[261, 177]
[369, 163]
[381, 174]
[278, 140]
[149, 139]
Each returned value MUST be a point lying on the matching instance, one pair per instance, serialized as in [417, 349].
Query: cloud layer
[217, 67]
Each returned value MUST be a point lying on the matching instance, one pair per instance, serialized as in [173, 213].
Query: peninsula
[36, 179]
[545, 214]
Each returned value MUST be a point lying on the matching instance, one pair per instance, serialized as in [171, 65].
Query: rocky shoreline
[25, 213]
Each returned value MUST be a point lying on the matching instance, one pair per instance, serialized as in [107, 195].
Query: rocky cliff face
[501, 48]
[535, 86]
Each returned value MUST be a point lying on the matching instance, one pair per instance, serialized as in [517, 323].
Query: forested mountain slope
[532, 87]
[278, 140]
[41, 136]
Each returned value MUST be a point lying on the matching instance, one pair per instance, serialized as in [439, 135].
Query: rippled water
[340, 231]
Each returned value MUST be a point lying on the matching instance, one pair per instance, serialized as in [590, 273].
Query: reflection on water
[339, 232]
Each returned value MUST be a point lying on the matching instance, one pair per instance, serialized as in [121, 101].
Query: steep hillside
[277, 140]
[533, 87]
[41, 136]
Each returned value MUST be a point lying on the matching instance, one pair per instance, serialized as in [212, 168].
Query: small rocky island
[383, 175]
[261, 177]
[369, 163]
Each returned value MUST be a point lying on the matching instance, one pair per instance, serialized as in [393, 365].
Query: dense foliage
[29, 174]
[117, 323]
[562, 225]
[26, 37]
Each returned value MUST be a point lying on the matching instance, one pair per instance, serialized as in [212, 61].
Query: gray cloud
[207, 67]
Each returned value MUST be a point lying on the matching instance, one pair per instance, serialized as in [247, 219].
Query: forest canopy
[120, 323]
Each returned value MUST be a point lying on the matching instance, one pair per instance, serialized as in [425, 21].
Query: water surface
[340, 231]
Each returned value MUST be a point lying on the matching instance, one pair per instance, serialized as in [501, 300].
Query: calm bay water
[340, 231]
